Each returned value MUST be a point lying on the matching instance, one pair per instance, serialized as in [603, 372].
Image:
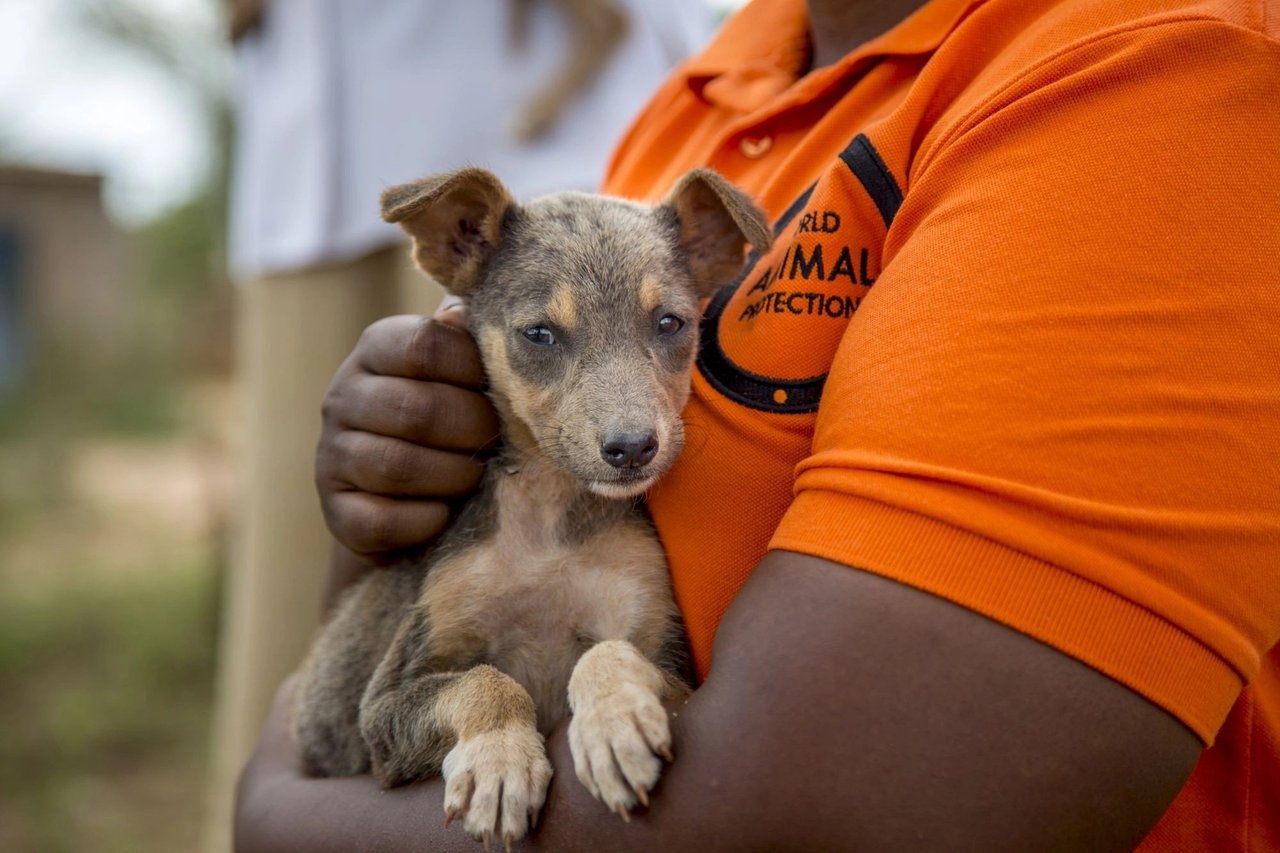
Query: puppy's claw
[451, 815]
[494, 781]
[665, 752]
[533, 818]
[619, 728]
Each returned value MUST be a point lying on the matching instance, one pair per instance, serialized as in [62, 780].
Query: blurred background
[116, 417]
[122, 415]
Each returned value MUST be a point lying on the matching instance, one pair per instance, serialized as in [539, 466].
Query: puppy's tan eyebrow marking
[563, 310]
[650, 293]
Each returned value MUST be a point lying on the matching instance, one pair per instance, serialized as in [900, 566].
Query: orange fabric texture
[1018, 342]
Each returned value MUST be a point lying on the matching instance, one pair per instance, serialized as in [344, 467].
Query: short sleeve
[1059, 406]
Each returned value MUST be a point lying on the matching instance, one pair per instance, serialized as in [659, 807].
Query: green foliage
[106, 674]
[97, 680]
[180, 253]
[70, 393]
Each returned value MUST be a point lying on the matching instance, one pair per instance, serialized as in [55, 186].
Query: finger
[431, 414]
[389, 466]
[372, 524]
[421, 348]
[452, 312]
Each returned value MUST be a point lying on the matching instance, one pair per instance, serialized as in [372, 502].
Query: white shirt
[339, 99]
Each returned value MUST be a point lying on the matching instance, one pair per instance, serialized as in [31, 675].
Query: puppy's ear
[455, 220]
[717, 220]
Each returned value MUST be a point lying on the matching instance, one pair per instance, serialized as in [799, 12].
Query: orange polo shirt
[1018, 342]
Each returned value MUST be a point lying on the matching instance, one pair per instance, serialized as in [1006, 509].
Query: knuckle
[374, 529]
[336, 396]
[424, 346]
[322, 457]
[325, 489]
[394, 462]
[331, 406]
[373, 332]
[416, 406]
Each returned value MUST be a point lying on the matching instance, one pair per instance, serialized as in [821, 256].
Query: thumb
[452, 312]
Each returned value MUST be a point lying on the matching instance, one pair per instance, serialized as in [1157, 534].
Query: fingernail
[449, 305]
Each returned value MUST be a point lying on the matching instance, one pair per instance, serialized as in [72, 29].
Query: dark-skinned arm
[845, 711]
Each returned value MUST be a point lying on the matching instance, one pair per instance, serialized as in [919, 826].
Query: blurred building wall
[63, 267]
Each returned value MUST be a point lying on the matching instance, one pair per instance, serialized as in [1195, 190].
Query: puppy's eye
[540, 335]
[669, 324]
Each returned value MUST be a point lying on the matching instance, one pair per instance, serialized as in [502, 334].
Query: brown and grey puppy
[550, 593]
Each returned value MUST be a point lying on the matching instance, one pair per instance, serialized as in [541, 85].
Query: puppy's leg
[619, 726]
[478, 727]
[337, 671]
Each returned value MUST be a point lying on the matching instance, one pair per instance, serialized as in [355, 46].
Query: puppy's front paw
[619, 727]
[497, 781]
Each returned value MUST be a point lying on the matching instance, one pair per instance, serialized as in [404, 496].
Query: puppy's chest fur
[538, 572]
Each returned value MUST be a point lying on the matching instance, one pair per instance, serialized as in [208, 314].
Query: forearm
[844, 711]
[918, 724]
[925, 726]
[281, 813]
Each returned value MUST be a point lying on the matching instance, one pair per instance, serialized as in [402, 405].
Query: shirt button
[754, 147]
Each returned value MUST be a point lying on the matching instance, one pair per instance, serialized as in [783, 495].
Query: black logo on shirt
[827, 261]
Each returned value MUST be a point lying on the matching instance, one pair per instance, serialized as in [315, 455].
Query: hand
[405, 422]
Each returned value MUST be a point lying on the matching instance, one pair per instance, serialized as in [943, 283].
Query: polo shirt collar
[763, 50]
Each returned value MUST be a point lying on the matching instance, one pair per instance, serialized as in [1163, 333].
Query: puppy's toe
[613, 741]
[636, 760]
[497, 781]
[523, 795]
[457, 794]
[654, 725]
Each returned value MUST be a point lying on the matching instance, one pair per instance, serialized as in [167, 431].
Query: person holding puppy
[975, 532]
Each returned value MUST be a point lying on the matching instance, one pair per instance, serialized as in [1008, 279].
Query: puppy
[549, 595]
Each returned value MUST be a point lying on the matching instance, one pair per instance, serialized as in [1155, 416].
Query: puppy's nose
[629, 449]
